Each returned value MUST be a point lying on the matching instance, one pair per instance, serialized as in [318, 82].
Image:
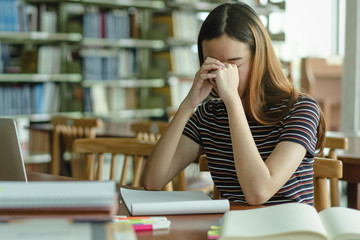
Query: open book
[142, 202]
[291, 221]
[82, 200]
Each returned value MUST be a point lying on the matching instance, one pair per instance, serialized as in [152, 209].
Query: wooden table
[109, 129]
[351, 169]
[187, 227]
[37, 176]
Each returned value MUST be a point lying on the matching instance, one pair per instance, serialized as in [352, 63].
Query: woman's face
[230, 50]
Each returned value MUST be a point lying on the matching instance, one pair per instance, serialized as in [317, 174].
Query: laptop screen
[12, 167]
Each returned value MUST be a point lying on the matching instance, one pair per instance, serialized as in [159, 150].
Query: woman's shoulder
[305, 100]
[305, 105]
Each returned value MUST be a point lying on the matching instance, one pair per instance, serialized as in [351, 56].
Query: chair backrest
[333, 143]
[94, 150]
[152, 131]
[324, 168]
[149, 130]
[321, 78]
[65, 130]
[203, 166]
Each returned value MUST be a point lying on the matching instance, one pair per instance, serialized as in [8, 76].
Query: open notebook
[12, 167]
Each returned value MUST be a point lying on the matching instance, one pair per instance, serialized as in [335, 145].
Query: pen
[150, 227]
[139, 218]
[138, 221]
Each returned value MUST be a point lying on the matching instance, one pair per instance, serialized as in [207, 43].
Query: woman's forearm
[252, 172]
[160, 167]
[260, 179]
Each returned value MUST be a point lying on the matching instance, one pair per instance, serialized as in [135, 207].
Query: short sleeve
[300, 125]
[191, 129]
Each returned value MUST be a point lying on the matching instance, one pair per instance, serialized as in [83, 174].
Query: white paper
[141, 202]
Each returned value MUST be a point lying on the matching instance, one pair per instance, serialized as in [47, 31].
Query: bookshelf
[115, 52]
[34, 79]
[89, 38]
[101, 58]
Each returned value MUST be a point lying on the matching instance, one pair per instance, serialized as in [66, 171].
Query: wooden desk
[37, 176]
[109, 129]
[189, 227]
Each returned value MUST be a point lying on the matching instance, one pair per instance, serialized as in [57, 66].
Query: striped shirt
[209, 127]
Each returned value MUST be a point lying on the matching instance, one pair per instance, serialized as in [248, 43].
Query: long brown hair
[268, 85]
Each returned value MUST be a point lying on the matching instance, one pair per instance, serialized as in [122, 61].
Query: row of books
[113, 24]
[49, 60]
[9, 16]
[17, 16]
[29, 99]
[45, 59]
[121, 65]
[102, 100]
[184, 60]
[177, 24]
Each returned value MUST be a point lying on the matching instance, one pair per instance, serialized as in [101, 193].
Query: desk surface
[189, 227]
[354, 145]
[37, 176]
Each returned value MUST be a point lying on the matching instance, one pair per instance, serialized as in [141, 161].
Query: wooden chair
[129, 147]
[324, 168]
[203, 166]
[321, 78]
[152, 131]
[148, 130]
[333, 143]
[65, 131]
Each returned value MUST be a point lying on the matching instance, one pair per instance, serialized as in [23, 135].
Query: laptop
[12, 167]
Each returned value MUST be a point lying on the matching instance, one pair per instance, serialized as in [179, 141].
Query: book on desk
[78, 200]
[142, 202]
[291, 221]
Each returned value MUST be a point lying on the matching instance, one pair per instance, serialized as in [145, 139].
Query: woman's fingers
[210, 60]
[211, 64]
[207, 75]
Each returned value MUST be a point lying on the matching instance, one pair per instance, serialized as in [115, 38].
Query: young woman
[259, 134]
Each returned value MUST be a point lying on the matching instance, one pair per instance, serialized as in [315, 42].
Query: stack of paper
[83, 200]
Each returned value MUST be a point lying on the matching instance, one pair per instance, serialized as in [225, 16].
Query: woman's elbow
[150, 185]
[257, 198]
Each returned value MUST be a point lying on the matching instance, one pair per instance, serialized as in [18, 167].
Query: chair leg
[181, 181]
[334, 192]
[99, 169]
[125, 170]
[55, 153]
[321, 200]
[168, 187]
[113, 167]
[216, 193]
[89, 167]
[139, 163]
